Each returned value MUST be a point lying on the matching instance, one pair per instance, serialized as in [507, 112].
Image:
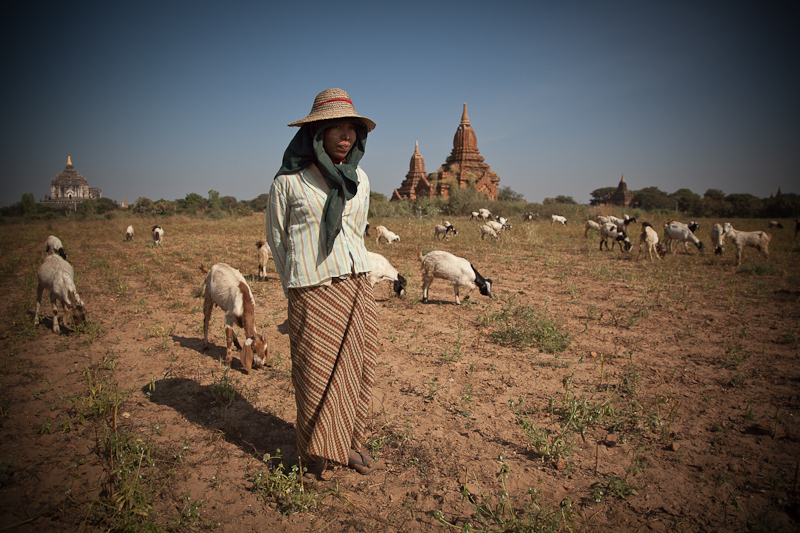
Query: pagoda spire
[69, 159]
[464, 116]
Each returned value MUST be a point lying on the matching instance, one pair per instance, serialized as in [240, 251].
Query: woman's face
[338, 139]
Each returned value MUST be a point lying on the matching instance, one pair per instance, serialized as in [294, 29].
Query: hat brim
[318, 118]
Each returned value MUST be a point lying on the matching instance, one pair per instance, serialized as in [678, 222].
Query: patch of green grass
[523, 325]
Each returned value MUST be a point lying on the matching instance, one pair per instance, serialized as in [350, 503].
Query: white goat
[603, 219]
[264, 255]
[382, 270]
[742, 239]
[487, 230]
[52, 245]
[57, 276]
[158, 235]
[559, 219]
[774, 224]
[474, 215]
[443, 232]
[226, 287]
[681, 233]
[384, 233]
[649, 239]
[497, 226]
[609, 230]
[717, 235]
[590, 224]
[485, 214]
[459, 271]
[129, 233]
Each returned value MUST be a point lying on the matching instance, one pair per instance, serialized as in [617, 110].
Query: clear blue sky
[164, 99]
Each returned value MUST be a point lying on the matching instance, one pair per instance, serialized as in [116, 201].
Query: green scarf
[306, 148]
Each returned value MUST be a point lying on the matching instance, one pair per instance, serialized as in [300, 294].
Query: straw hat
[333, 103]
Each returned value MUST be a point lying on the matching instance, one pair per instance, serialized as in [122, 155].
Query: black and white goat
[443, 231]
[681, 233]
[129, 233]
[158, 235]
[457, 270]
[610, 231]
[225, 287]
[382, 270]
[52, 245]
[717, 235]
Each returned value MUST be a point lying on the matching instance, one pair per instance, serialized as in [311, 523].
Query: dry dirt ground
[673, 407]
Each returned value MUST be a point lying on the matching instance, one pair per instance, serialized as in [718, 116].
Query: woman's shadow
[220, 408]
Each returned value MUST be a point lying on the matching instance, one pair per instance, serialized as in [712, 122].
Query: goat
[264, 255]
[590, 224]
[559, 219]
[679, 232]
[57, 276]
[529, 216]
[742, 239]
[649, 238]
[485, 214]
[129, 233]
[225, 287]
[774, 224]
[442, 232]
[609, 230]
[366, 230]
[52, 245]
[382, 270]
[717, 235]
[384, 233]
[488, 230]
[158, 235]
[459, 271]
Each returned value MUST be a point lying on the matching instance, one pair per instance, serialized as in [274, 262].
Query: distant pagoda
[69, 188]
[416, 183]
[465, 166]
[622, 196]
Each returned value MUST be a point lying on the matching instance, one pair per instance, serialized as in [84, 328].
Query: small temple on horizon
[69, 188]
[622, 196]
[465, 166]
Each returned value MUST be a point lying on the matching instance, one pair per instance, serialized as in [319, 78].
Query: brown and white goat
[649, 239]
[225, 287]
[264, 255]
[57, 276]
[742, 239]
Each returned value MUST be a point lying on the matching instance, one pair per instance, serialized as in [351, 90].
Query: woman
[316, 216]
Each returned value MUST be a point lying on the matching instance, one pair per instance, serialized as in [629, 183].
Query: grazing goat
[225, 287]
[488, 230]
[742, 239]
[649, 239]
[459, 271]
[442, 232]
[774, 224]
[52, 245]
[382, 270]
[366, 230]
[679, 232]
[485, 214]
[496, 226]
[384, 233]
[590, 224]
[474, 215]
[264, 255]
[129, 233]
[559, 219]
[717, 235]
[609, 230]
[603, 219]
[528, 217]
[57, 276]
[158, 235]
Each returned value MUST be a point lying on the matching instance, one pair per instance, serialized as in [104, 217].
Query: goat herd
[225, 286]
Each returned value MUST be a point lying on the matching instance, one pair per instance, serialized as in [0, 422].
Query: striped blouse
[294, 218]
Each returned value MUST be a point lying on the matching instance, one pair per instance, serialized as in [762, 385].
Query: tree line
[713, 204]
